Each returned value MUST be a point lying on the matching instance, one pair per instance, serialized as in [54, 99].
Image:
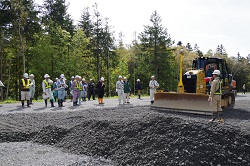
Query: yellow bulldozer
[194, 88]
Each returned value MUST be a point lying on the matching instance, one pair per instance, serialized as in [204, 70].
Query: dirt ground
[132, 134]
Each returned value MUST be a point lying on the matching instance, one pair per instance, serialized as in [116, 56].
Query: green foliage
[46, 41]
[155, 42]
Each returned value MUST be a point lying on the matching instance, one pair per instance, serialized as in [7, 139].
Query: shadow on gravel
[186, 114]
[237, 114]
[50, 135]
[100, 105]
[16, 136]
[40, 109]
[19, 108]
[73, 107]
[57, 108]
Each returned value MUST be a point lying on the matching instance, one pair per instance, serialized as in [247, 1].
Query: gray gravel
[32, 154]
[131, 134]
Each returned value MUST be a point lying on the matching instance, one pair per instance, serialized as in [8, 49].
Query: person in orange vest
[47, 93]
[25, 90]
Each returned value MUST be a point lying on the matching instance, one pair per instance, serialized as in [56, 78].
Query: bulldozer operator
[215, 97]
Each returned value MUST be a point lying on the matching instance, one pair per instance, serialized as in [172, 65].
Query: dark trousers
[91, 93]
[100, 94]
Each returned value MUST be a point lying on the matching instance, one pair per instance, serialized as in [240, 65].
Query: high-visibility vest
[219, 91]
[24, 84]
[47, 85]
[77, 86]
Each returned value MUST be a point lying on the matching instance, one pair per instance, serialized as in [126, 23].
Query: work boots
[46, 102]
[220, 117]
[62, 103]
[214, 117]
[22, 101]
[52, 103]
[28, 103]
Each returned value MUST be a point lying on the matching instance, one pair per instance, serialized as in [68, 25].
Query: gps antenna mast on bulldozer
[180, 84]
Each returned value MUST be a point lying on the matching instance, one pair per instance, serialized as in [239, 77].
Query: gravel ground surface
[132, 134]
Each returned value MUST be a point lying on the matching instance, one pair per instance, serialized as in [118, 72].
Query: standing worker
[76, 90]
[61, 85]
[84, 89]
[47, 93]
[25, 90]
[70, 88]
[32, 87]
[126, 89]
[215, 97]
[55, 90]
[244, 89]
[153, 85]
[80, 89]
[91, 89]
[100, 87]
[139, 88]
[120, 90]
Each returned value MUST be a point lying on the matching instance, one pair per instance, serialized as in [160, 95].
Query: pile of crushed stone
[134, 135]
[152, 141]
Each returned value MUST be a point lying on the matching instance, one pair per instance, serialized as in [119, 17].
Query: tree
[221, 51]
[86, 23]
[55, 14]
[189, 47]
[155, 40]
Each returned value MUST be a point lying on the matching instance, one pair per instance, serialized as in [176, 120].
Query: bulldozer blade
[183, 102]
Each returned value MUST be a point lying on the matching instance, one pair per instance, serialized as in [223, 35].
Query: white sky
[207, 23]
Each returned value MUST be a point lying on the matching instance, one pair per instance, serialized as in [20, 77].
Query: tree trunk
[1, 61]
[22, 45]
[8, 83]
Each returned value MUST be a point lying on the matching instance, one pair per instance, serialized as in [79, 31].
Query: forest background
[44, 39]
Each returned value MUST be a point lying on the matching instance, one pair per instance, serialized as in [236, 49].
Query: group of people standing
[79, 89]
[52, 91]
[123, 90]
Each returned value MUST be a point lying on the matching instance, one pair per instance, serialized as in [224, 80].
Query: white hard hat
[46, 76]
[77, 76]
[56, 78]
[152, 76]
[25, 75]
[72, 77]
[138, 80]
[120, 77]
[125, 78]
[62, 76]
[83, 79]
[32, 75]
[216, 72]
[102, 78]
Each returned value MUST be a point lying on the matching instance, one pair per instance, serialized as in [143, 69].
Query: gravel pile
[137, 135]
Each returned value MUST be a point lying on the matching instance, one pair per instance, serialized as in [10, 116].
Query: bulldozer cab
[210, 64]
